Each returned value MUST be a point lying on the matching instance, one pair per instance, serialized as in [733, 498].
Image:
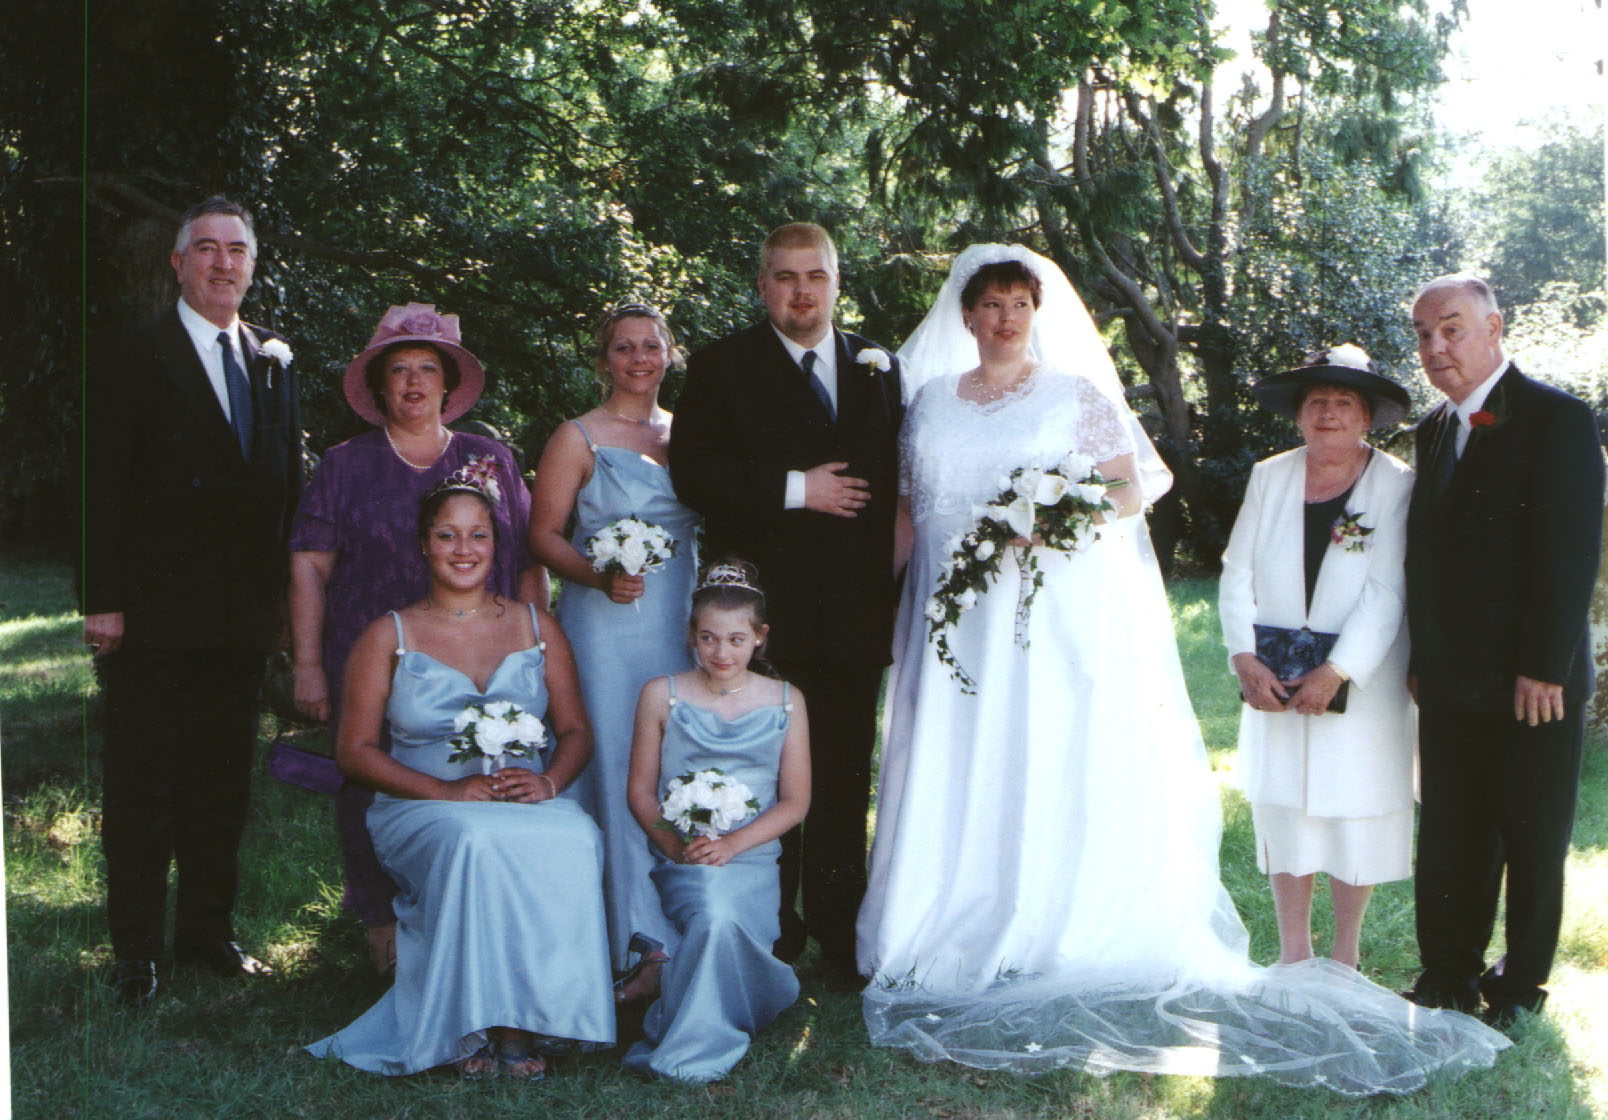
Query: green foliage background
[527, 163]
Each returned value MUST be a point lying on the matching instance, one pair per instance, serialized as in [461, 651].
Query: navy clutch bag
[1294, 653]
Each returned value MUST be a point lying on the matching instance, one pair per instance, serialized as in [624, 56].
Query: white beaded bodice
[955, 454]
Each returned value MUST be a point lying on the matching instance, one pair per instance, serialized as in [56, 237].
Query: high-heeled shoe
[641, 980]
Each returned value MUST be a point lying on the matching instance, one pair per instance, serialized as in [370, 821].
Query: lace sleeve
[1102, 430]
[907, 450]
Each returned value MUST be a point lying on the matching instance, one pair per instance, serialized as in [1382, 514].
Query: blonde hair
[798, 235]
[603, 336]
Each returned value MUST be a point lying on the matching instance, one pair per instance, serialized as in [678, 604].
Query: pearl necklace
[397, 451]
[991, 393]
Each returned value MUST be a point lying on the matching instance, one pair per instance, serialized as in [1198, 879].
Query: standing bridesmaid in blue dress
[607, 464]
[500, 944]
[723, 892]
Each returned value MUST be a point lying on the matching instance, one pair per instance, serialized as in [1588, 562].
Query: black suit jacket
[747, 417]
[182, 534]
[1503, 548]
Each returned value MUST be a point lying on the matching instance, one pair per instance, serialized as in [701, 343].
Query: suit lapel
[1474, 451]
[851, 385]
[788, 377]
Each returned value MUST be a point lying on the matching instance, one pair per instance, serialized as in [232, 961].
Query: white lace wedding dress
[1044, 884]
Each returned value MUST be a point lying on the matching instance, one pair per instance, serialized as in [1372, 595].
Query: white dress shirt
[204, 335]
[1473, 403]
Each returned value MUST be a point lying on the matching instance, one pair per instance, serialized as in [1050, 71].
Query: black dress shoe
[1431, 992]
[1503, 1015]
[134, 983]
[226, 958]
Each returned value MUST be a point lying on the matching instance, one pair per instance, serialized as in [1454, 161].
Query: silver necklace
[710, 685]
[456, 612]
[624, 418]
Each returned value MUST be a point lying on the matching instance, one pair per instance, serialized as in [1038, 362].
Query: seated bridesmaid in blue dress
[501, 947]
[720, 768]
[602, 466]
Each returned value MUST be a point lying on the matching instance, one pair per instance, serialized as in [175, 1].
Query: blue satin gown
[618, 649]
[500, 912]
[722, 986]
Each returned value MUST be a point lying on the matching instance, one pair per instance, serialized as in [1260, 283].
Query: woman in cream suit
[1319, 544]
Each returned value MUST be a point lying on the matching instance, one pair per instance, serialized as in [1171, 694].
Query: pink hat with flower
[416, 322]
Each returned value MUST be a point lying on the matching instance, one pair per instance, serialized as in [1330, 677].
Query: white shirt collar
[1476, 400]
[203, 332]
[825, 351]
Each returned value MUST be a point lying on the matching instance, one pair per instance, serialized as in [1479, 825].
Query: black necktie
[234, 379]
[817, 387]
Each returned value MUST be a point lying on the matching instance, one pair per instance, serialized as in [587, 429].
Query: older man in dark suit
[786, 441]
[1504, 535]
[193, 466]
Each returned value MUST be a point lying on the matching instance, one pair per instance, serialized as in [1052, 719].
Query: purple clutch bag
[301, 767]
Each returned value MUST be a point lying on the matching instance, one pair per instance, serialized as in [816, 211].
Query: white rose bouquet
[490, 731]
[630, 545]
[1055, 505]
[706, 803]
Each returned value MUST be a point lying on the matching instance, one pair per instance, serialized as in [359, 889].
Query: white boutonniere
[875, 357]
[278, 352]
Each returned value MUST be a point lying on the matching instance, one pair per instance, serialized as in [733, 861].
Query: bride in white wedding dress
[1044, 885]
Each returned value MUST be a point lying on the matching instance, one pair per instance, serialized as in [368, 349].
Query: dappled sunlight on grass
[1584, 938]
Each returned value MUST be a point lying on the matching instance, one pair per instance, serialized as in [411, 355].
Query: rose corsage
[1349, 533]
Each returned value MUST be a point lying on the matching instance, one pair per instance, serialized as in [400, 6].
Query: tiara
[477, 476]
[728, 575]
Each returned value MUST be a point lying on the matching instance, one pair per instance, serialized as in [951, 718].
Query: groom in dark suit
[193, 467]
[786, 441]
[1503, 541]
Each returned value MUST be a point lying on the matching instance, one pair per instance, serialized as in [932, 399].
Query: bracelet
[1344, 676]
[552, 790]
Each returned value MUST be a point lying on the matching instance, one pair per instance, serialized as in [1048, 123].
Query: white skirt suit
[1332, 792]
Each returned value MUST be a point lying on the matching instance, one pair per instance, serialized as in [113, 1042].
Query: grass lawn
[211, 1048]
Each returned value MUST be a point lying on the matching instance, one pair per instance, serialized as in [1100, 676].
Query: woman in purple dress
[354, 546]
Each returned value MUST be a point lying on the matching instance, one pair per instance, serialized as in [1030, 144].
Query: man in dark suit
[786, 441]
[193, 466]
[1503, 541]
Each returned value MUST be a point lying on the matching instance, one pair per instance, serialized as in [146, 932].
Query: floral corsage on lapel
[876, 358]
[1349, 533]
[278, 353]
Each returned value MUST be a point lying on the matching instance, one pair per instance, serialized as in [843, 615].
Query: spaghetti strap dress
[500, 909]
[619, 647]
[723, 985]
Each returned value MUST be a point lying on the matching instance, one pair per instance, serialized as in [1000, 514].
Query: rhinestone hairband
[477, 476]
[728, 575]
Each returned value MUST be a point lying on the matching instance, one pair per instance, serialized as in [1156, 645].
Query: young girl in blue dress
[721, 892]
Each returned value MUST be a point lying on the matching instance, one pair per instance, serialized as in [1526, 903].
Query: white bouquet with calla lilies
[1052, 508]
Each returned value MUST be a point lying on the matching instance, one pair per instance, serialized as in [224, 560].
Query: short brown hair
[798, 235]
[1003, 275]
